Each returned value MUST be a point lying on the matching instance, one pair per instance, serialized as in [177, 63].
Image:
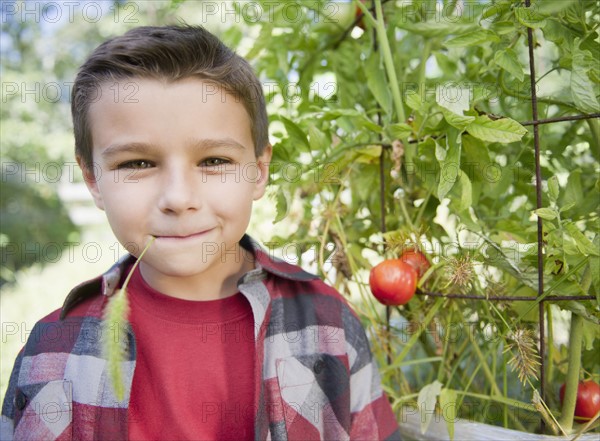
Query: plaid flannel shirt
[315, 376]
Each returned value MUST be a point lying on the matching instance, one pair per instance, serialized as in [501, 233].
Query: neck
[216, 282]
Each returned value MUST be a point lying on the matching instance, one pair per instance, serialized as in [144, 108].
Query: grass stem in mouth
[114, 330]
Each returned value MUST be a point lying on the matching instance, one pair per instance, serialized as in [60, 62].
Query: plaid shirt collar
[109, 281]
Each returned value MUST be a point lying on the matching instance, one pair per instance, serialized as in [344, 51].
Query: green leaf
[530, 17]
[583, 243]
[281, 205]
[573, 193]
[413, 100]
[435, 28]
[368, 154]
[399, 131]
[336, 113]
[583, 90]
[590, 333]
[295, 132]
[507, 60]
[580, 308]
[458, 121]
[377, 83]
[595, 271]
[566, 207]
[448, 405]
[317, 139]
[504, 27]
[503, 130]
[473, 38]
[546, 213]
[453, 98]
[426, 401]
[495, 9]
[466, 192]
[553, 188]
[450, 164]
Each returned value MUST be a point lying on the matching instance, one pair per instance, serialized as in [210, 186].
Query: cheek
[232, 201]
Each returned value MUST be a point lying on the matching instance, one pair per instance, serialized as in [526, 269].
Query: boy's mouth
[182, 235]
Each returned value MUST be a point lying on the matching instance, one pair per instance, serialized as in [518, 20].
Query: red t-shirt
[194, 377]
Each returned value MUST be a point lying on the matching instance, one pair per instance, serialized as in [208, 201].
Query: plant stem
[550, 345]
[572, 381]
[499, 399]
[430, 315]
[505, 388]
[485, 367]
[442, 367]
[388, 61]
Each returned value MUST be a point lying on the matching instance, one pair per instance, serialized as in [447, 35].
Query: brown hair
[166, 53]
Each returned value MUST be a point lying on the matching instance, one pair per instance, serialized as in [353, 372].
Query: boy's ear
[262, 180]
[91, 182]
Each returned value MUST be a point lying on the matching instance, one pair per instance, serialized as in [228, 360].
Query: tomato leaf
[399, 131]
[317, 139]
[546, 213]
[426, 401]
[466, 192]
[473, 38]
[583, 243]
[530, 17]
[448, 405]
[582, 90]
[503, 130]
[453, 98]
[413, 100]
[281, 205]
[435, 28]
[581, 308]
[450, 164]
[295, 132]
[553, 188]
[458, 121]
[507, 60]
[590, 333]
[376, 82]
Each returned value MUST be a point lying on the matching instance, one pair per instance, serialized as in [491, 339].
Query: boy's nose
[179, 191]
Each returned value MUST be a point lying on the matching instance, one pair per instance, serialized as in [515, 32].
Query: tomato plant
[588, 399]
[393, 282]
[420, 134]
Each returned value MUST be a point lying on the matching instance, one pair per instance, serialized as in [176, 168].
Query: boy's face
[175, 161]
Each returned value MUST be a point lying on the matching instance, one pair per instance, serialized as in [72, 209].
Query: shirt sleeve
[372, 417]
[8, 406]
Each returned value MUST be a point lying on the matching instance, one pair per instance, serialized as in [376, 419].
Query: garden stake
[538, 192]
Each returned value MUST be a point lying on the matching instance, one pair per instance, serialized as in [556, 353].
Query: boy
[223, 341]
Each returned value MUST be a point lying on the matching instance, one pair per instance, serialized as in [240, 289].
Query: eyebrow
[145, 148]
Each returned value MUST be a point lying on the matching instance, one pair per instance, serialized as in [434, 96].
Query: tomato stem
[389, 61]
[572, 381]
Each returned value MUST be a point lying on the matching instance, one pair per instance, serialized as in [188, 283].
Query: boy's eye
[215, 162]
[136, 164]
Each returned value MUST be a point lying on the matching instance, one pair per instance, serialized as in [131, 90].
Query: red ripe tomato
[393, 282]
[588, 399]
[417, 260]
